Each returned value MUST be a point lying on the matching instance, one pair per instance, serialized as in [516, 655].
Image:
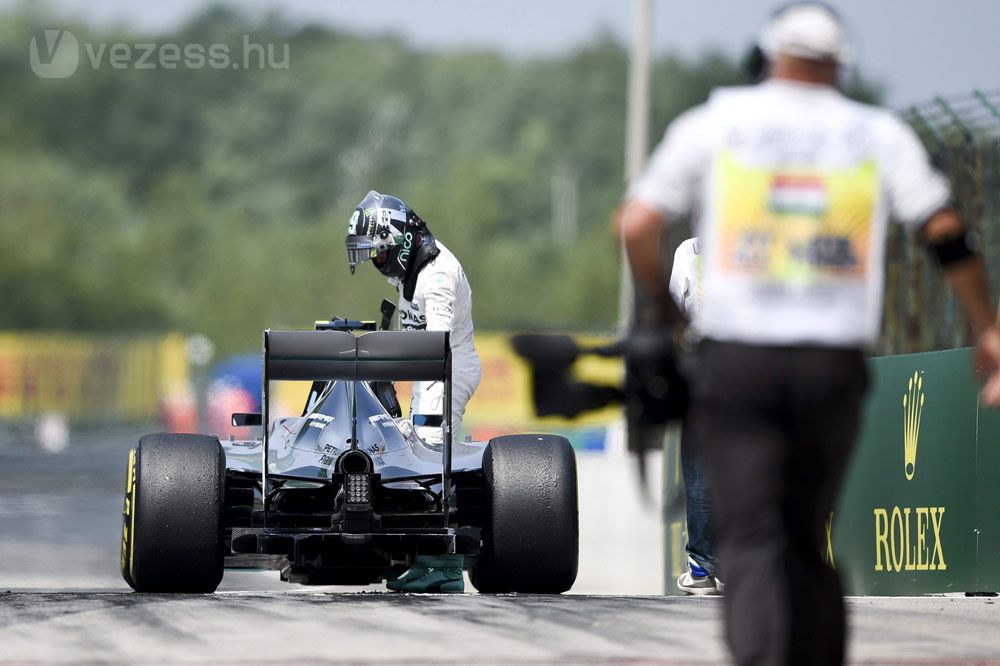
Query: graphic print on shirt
[795, 225]
[410, 317]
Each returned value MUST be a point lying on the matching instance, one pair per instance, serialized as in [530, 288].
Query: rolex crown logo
[913, 409]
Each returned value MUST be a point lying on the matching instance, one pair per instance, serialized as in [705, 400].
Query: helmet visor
[360, 249]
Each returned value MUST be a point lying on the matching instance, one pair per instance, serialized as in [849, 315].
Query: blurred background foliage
[216, 200]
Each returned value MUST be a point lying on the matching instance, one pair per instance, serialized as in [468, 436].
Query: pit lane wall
[920, 510]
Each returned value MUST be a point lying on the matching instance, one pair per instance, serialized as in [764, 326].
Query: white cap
[807, 30]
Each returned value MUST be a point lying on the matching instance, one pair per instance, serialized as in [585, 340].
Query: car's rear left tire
[530, 539]
[172, 537]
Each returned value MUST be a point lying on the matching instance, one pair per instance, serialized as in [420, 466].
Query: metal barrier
[962, 135]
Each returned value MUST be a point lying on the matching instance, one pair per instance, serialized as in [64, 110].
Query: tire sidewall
[177, 495]
[531, 535]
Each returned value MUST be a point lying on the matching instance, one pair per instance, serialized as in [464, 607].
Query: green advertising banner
[920, 510]
[908, 522]
[988, 500]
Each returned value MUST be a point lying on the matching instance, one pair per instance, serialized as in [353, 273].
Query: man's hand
[988, 364]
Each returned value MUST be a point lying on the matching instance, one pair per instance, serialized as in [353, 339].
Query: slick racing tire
[172, 534]
[531, 532]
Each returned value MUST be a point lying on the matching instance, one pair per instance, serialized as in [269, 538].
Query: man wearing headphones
[794, 185]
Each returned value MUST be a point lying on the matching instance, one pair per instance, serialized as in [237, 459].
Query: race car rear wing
[379, 355]
[328, 355]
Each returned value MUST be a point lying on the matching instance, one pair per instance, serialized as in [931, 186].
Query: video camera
[653, 391]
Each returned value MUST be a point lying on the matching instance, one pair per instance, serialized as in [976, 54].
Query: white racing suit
[442, 301]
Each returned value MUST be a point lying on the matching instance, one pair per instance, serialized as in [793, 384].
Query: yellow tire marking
[128, 527]
[131, 541]
[126, 511]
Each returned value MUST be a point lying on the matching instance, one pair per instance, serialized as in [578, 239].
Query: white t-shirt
[685, 278]
[794, 184]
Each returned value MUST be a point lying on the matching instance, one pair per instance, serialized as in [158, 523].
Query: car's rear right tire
[530, 539]
[172, 529]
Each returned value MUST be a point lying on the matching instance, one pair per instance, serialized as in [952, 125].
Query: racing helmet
[386, 231]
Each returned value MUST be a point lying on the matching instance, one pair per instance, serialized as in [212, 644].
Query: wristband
[953, 250]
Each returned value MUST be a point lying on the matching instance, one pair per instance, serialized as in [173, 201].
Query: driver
[434, 295]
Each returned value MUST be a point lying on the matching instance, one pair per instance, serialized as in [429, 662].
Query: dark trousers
[777, 426]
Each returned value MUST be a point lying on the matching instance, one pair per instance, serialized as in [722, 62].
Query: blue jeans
[701, 541]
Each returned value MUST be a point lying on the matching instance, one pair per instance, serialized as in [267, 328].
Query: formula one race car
[347, 493]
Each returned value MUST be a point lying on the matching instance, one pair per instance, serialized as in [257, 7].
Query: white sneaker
[696, 580]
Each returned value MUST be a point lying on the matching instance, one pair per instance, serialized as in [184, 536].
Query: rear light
[358, 488]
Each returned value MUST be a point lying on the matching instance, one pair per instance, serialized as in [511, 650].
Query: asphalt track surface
[62, 602]
[382, 628]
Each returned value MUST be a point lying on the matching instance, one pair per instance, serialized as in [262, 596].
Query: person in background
[434, 295]
[701, 576]
[794, 185]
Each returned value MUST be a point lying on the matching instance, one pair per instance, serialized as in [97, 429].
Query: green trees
[215, 199]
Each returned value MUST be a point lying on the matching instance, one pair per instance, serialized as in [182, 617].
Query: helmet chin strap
[391, 267]
[424, 254]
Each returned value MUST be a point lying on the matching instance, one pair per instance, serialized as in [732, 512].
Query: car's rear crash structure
[346, 493]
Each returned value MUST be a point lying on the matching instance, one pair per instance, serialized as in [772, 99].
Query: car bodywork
[346, 492]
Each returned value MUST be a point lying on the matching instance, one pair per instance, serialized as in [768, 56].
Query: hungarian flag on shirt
[798, 195]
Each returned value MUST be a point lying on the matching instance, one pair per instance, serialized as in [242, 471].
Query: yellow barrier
[504, 394]
[89, 378]
[95, 378]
